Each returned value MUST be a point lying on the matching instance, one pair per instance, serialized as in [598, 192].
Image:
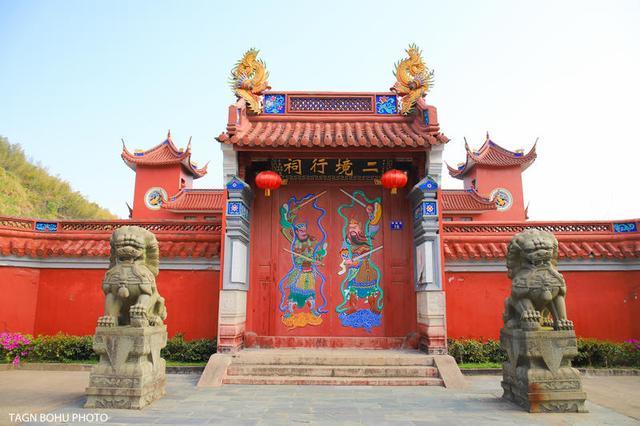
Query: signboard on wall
[332, 169]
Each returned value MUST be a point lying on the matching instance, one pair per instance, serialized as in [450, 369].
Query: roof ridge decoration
[249, 79]
[310, 119]
[491, 154]
[413, 77]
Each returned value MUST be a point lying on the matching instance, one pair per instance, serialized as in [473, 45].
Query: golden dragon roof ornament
[413, 77]
[249, 79]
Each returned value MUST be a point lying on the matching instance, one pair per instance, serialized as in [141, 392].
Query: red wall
[489, 179]
[48, 301]
[18, 298]
[168, 178]
[602, 305]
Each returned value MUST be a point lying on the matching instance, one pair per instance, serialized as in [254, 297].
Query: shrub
[494, 351]
[599, 353]
[62, 348]
[65, 348]
[468, 350]
[180, 350]
[591, 352]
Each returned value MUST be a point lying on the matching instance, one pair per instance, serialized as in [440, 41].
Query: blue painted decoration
[237, 208]
[428, 184]
[46, 226]
[625, 227]
[429, 208]
[396, 225]
[426, 117]
[426, 209]
[361, 319]
[386, 104]
[235, 184]
[274, 104]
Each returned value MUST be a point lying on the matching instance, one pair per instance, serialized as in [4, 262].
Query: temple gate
[331, 258]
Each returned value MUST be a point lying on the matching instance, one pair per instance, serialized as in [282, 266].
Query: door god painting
[303, 301]
[362, 302]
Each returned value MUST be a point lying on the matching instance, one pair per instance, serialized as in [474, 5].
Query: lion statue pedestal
[537, 336]
[130, 334]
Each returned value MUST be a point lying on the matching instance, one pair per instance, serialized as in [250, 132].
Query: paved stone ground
[249, 405]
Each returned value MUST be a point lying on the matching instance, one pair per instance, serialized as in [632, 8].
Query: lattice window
[572, 228]
[321, 104]
[16, 223]
[153, 227]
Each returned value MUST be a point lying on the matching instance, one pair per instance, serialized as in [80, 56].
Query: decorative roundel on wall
[503, 198]
[154, 197]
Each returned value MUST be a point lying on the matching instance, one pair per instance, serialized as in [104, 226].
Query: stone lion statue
[538, 290]
[129, 285]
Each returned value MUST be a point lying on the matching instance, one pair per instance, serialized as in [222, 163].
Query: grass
[186, 364]
[471, 365]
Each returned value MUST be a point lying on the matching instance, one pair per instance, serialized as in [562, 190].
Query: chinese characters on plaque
[331, 168]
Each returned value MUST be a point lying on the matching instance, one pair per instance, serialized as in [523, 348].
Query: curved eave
[458, 173]
[478, 158]
[180, 157]
[194, 171]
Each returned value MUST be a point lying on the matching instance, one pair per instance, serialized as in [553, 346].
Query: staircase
[332, 367]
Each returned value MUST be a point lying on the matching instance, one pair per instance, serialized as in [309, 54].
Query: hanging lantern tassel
[394, 179]
[268, 180]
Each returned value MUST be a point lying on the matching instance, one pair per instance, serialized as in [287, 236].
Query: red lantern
[394, 179]
[268, 180]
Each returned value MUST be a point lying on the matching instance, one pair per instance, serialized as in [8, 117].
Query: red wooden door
[330, 262]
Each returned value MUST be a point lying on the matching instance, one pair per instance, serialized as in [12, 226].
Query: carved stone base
[130, 373]
[431, 322]
[538, 375]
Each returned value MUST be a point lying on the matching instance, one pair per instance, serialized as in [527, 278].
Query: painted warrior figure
[362, 295]
[363, 278]
[301, 287]
[302, 283]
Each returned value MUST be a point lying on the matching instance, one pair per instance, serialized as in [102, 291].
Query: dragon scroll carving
[413, 79]
[249, 79]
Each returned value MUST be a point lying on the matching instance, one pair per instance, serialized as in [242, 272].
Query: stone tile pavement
[184, 404]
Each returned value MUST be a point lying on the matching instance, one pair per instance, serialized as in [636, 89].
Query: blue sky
[76, 76]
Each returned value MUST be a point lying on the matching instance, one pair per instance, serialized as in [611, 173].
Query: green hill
[28, 190]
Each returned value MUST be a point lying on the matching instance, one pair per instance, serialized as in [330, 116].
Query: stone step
[331, 370]
[334, 358]
[333, 381]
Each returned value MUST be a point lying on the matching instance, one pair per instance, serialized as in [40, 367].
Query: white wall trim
[563, 265]
[197, 264]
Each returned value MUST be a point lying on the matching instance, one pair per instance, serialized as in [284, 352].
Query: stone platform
[332, 367]
[130, 373]
[538, 375]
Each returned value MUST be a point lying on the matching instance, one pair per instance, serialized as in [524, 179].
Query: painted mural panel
[303, 300]
[362, 296]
